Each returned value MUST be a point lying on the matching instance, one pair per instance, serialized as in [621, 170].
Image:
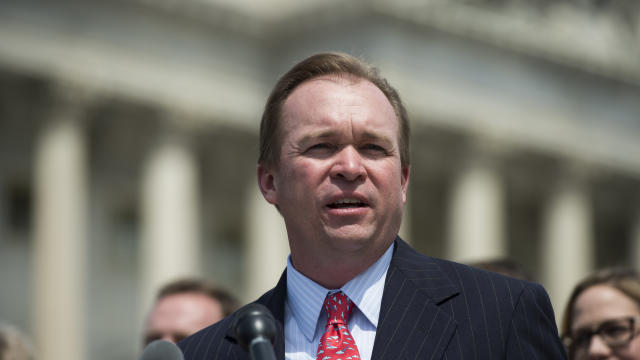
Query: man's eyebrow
[318, 134]
[369, 135]
[328, 133]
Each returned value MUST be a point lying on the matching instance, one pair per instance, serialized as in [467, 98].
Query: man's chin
[349, 231]
[352, 236]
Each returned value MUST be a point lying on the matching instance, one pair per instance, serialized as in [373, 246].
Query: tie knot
[338, 307]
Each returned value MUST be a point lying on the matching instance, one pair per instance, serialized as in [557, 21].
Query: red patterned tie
[337, 342]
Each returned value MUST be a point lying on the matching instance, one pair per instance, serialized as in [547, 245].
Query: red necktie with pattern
[337, 342]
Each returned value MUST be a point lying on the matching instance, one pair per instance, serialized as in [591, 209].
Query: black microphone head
[162, 350]
[254, 321]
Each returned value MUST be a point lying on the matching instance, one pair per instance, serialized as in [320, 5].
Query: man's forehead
[317, 91]
[342, 79]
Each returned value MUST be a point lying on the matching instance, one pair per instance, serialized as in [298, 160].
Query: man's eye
[320, 146]
[373, 148]
[319, 149]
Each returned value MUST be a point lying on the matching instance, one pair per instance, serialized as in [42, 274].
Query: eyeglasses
[615, 333]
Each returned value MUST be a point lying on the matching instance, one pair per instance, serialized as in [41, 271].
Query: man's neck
[334, 272]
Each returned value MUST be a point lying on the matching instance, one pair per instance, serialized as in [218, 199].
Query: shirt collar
[305, 297]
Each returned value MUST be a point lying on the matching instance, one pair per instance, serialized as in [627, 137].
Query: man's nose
[598, 349]
[348, 165]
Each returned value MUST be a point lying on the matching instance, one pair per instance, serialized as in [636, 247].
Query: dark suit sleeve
[210, 343]
[532, 332]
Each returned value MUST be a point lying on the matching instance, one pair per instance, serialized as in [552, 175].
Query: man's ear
[404, 182]
[266, 182]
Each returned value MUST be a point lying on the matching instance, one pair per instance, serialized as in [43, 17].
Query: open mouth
[347, 204]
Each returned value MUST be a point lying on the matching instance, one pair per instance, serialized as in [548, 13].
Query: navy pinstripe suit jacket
[431, 309]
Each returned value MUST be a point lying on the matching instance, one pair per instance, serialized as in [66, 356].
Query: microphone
[255, 328]
[162, 350]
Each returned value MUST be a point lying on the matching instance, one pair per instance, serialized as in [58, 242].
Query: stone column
[635, 237]
[567, 248]
[405, 226]
[267, 245]
[476, 212]
[60, 232]
[170, 246]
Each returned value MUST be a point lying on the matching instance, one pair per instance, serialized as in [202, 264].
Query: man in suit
[334, 160]
[184, 306]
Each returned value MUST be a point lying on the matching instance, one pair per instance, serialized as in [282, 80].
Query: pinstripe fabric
[431, 309]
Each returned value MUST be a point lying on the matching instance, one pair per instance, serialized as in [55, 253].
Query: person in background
[185, 306]
[602, 317]
[14, 345]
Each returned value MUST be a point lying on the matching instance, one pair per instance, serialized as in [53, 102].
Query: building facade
[128, 142]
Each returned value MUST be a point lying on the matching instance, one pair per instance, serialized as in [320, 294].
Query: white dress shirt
[305, 319]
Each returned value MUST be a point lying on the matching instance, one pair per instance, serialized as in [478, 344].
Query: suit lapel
[275, 304]
[274, 301]
[412, 323]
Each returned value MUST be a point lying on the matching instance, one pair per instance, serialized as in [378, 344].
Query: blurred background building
[128, 142]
